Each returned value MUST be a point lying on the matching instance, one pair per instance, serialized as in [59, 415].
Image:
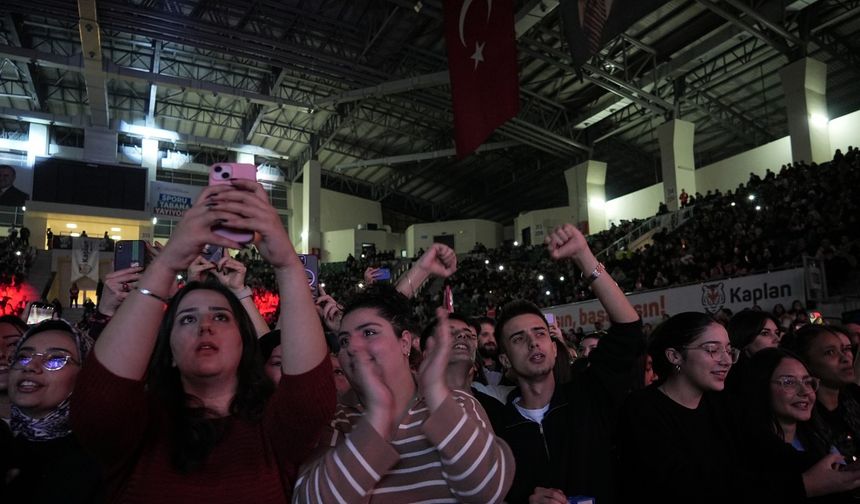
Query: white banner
[85, 258]
[172, 200]
[765, 290]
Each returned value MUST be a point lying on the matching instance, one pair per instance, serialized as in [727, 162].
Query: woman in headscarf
[44, 462]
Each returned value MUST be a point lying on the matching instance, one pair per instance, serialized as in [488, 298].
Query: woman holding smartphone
[779, 394]
[174, 401]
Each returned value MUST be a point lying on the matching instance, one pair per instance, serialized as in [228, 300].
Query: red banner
[482, 62]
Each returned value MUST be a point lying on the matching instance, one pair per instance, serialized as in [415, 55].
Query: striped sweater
[451, 455]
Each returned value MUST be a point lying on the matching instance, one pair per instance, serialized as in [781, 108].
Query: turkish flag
[482, 63]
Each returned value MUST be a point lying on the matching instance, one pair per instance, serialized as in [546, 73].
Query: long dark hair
[193, 432]
[676, 332]
[746, 325]
[756, 390]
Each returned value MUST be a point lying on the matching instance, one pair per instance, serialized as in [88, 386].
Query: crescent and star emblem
[478, 55]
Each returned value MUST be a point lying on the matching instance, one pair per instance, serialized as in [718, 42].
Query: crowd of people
[767, 224]
[174, 391]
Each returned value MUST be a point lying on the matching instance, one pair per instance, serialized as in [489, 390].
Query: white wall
[845, 131]
[727, 174]
[466, 233]
[636, 205]
[337, 211]
[337, 245]
[541, 222]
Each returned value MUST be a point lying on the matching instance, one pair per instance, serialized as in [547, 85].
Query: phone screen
[550, 318]
[39, 312]
[212, 253]
[129, 254]
[312, 270]
[383, 274]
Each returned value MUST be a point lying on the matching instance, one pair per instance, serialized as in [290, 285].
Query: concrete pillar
[245, 157]
[805, 85]
[676, 157]
[586, 189]
[149, 160]
[37, 142]
[311, 235]
[100, 145]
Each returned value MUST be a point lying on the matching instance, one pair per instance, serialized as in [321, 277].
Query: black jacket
[13, 197]
[571, 449]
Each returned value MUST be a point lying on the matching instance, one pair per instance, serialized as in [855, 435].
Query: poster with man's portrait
[16, 180]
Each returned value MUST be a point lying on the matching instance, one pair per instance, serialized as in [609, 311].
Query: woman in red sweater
[174, 401]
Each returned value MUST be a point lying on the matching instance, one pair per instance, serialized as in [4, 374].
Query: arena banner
[172, 200]
[764, 290]
[85, 258]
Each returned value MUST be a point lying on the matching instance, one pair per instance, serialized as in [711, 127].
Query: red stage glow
[14, 298]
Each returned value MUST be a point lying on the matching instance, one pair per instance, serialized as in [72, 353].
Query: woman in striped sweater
[414, 440]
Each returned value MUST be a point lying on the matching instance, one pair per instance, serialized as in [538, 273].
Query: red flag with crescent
[482, 62]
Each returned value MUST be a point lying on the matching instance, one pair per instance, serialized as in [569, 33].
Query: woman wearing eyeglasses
[778, 397]
[678, 441]
[827, 351]
[45, 463]
[750, 331]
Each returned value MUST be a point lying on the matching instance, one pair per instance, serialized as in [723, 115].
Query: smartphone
[39, 312]
[312, 270]
[129, 254]
[221, 174]
[383, 274]
[550, 318]
[212, 253]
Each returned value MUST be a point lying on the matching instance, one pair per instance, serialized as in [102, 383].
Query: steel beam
[409, 158]
[752, 30]
[28, 70]
[91, 49]
[153, 88]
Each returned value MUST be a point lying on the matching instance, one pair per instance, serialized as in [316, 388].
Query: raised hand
[439, 260]
[249, 208]
[117, 286]
[376, 397]
[329, 310]
[566, 241]
[370, 275]
[195, 230]
[198, 268]
[431, 374]
[555, 331]
[231, 273]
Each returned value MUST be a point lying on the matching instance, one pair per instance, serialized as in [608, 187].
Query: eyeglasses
[49, 361]
[791, 383]
[716, 351]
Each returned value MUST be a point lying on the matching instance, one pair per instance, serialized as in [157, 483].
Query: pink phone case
[221, 174]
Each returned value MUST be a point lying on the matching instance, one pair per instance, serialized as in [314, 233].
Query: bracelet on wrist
[149, 293]
[595, 274]
[244, 292]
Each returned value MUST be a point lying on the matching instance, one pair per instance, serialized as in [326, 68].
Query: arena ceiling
[362, 86]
